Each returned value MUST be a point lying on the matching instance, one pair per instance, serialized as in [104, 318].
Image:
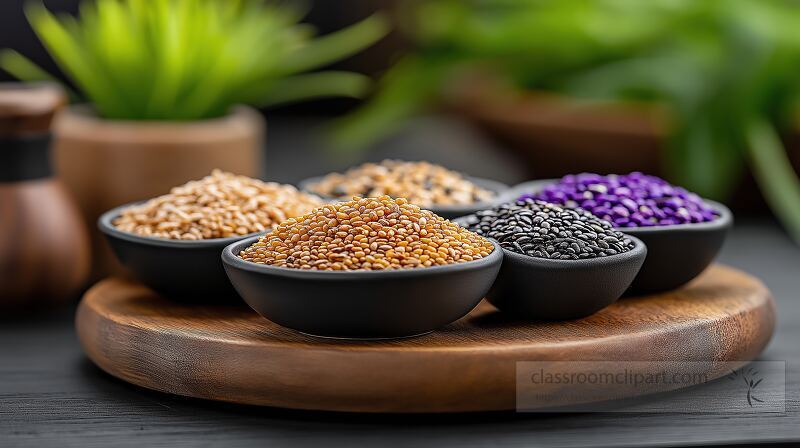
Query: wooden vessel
[44, 246]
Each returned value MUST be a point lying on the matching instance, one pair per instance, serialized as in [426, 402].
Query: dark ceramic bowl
[362, 304]
[675, 254]
[543, 289]
[186, 271]
[445, 211]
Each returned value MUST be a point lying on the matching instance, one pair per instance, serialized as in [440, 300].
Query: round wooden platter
[232, 354]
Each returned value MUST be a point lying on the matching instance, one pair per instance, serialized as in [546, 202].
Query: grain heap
[422, 183]
[543, 230]
[367, 233]
[630, 200]
[218, 206]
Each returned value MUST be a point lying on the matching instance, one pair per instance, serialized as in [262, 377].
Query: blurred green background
[702, 92]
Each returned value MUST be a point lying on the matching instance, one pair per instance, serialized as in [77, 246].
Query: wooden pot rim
[79, 122]
[27, 108]
[487, 100]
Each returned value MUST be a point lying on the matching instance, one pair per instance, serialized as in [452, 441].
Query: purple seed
[629, 203]
[634, 199]
[620, 211]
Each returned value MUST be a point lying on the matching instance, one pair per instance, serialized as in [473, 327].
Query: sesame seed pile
[543, 230]
[367, 233]
[220, 205]
[422, 183]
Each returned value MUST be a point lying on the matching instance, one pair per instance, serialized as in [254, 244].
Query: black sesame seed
[539, 229]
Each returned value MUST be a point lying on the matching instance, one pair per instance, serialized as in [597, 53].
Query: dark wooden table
[50, 395]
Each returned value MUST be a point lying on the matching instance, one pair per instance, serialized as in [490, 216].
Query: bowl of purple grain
[683, 232]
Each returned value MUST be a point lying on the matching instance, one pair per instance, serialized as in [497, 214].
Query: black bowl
[543, 289]
[362, 304]
[675, 254]
[186, 271]
[445, 211]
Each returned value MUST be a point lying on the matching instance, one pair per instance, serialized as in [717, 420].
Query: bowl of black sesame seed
[559, 263]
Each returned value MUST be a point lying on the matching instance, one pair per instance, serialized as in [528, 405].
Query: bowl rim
[639, 250]
[500, 190]
[724, 220]
[106, 226]
[231, 259]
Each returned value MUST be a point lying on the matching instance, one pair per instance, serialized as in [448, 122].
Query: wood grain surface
[232, 354]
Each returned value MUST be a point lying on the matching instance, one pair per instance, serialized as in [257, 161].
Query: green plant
[192, 59]
[727, 72]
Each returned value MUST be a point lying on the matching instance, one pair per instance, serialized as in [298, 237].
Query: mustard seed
[368, 234]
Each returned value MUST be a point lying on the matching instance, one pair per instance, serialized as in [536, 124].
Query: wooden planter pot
[557, 135]
[105, 163]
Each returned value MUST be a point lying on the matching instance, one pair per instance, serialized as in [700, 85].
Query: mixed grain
[422, 183]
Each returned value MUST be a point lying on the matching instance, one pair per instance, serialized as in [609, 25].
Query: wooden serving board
[232, 354]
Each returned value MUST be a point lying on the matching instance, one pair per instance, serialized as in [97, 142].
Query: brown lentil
[422, 183]
[220, 205]
[367, 233]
